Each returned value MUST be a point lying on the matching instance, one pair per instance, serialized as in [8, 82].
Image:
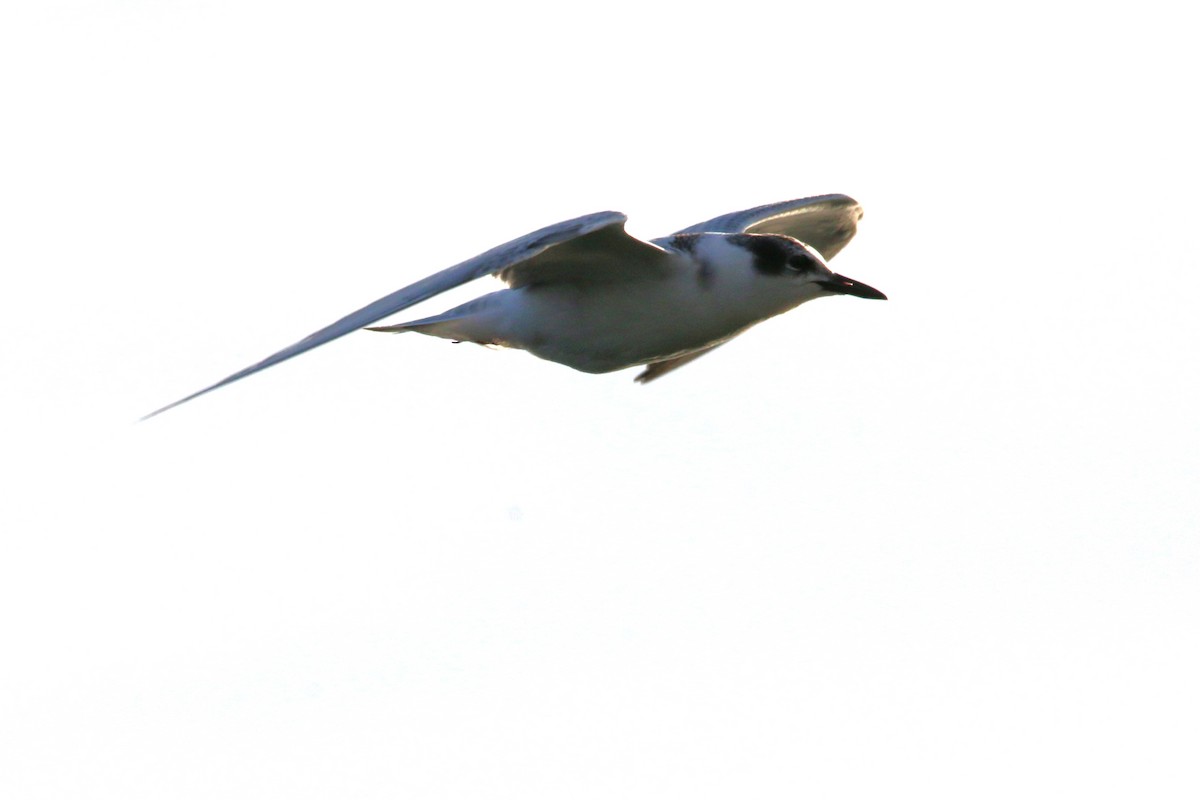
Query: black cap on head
[777, 255]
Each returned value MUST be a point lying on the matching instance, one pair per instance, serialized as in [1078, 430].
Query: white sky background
[944, 545]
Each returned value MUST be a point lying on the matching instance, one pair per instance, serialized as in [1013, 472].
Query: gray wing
[660, 368]
[827, 222]
[604, 255]
[534, 249]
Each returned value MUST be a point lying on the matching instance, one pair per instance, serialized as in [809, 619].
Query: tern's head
[788, 259]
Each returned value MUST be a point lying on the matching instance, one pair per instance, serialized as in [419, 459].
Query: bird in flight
[586, 294]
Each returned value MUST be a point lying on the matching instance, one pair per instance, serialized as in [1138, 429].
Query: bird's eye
[797, 264]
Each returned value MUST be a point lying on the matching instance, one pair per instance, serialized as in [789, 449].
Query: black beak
[843, 285]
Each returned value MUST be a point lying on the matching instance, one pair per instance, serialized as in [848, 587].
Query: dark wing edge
[827, 222]
[659, 368]
[488, 263]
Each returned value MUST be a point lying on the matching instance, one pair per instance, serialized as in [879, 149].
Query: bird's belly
[601, 329]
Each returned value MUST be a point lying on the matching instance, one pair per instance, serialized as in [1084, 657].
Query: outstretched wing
[827, 222]
[535, 249]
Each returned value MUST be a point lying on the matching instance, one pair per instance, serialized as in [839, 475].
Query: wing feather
[827, 222]
[659, 368]
[492, 262]
[604, 255]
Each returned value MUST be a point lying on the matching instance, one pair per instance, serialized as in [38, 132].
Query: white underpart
[599, 327]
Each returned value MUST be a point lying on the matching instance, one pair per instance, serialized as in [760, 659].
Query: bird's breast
[605, 327]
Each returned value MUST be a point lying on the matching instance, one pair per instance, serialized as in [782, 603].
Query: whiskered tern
[588, 295]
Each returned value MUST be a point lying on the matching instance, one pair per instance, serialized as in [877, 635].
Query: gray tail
[423, 325]
[415, 325]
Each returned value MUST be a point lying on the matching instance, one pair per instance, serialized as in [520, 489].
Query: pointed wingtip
[237, 376]
[154, 413]
[169, 406]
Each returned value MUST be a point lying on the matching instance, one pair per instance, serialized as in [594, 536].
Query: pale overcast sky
[944, 546]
